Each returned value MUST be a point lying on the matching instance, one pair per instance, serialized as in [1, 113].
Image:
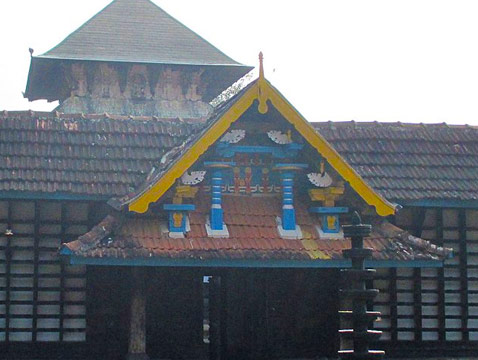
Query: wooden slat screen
[41, 299]
[385, 303]
[434, 304]
[472, 273]
[405, 302]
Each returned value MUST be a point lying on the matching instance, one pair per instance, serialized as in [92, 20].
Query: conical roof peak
[137, 31]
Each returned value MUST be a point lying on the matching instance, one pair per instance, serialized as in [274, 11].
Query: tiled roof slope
[82, 154]
[410, 161]
[112, 155]
[137, 31]
[252, 226]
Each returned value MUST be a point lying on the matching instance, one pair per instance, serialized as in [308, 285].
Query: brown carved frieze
[137, 86]
[77, 80]
[134, 89]
[105, 82]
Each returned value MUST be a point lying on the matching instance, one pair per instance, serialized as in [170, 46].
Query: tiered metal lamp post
[358, 295]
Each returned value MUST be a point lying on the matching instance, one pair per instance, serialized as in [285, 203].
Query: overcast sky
[406, 60]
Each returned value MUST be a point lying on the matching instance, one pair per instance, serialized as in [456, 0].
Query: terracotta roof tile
[112, 155]
[249, 239]
[87, 155]
[410, 161]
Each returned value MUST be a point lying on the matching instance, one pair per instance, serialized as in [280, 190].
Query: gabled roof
[253, 240]
[262, 92]
[137, 31]
[127, 32]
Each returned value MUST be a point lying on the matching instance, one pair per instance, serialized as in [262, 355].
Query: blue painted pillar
[288, 211]
[217, 215]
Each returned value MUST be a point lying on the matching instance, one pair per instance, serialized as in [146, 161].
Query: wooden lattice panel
[472, 273]
[439, 304]
[405, 304]
[383, 282]
[41, 299]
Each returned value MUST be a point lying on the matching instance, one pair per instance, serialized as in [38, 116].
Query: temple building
[139, 221]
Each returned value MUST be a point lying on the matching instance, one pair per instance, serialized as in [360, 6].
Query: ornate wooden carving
[133, 89]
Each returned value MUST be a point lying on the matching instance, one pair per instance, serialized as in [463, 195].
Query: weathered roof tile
[42, 152]
[137, 31]
[410, 161]
[251, 236]
[402, 162]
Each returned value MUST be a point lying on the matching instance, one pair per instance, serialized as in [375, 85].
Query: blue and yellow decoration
[249, 178]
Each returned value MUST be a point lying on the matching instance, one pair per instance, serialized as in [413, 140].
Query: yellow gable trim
[382, 206]
[262, 90]
[152, 194]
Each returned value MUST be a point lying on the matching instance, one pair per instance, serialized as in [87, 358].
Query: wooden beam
[417, 303]
[441, 280]
[137, 330]
[463, 274]
[418, 221]
[223, 317]
[36, 265]
[392, 290]
[8, 277]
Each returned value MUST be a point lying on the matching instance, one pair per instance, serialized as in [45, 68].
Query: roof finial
[261, 95]
[261, 65]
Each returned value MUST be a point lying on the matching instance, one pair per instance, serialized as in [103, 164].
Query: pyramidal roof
[137, 31]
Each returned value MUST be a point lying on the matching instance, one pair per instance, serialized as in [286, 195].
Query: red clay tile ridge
[393, 124]
[389, 230]
[143, 238]
[97, 233]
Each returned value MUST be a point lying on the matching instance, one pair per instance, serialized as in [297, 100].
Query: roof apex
[183, 156]
[137, 31]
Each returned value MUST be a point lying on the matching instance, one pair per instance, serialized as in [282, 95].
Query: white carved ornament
[233, 136]
[321, 180]
[279, 137]
[193, 177]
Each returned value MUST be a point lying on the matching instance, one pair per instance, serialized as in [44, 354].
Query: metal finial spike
[261, 65]
[262, 97]
[356, 220]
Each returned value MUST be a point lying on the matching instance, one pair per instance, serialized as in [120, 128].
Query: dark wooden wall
[48, 309]
[174, 317]
[253, 314]
[175, 314]
[281, 313]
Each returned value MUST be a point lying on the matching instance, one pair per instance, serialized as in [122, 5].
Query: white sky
[385, 60]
